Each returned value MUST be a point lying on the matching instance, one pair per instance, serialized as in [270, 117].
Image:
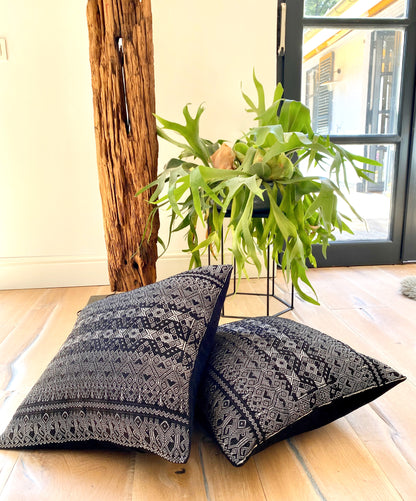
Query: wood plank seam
[9, 476]
[11, 366]
[201, 459]
[261, 483]
[305, 468]
[395, 434]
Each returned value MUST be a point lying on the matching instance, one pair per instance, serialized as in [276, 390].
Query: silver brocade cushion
[129, 370]
[270, 378]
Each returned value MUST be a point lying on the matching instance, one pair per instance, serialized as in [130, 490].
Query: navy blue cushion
[269, 378]
[129, 370]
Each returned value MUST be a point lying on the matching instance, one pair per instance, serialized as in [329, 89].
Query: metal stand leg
[269, 293]
[268, 283]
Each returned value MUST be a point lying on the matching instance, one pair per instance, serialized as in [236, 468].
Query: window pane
[355, 8]
[372, 200]
[351, 80]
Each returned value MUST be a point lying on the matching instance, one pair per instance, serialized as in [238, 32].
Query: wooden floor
[368, 455]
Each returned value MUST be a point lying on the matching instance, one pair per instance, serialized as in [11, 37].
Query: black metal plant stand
[270, 287]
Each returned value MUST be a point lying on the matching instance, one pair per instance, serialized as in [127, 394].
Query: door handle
[282, 39]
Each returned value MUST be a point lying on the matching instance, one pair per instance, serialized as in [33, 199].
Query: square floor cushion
[270, 378]
[128, 372]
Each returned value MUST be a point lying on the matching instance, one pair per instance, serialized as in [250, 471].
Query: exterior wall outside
[351, 58]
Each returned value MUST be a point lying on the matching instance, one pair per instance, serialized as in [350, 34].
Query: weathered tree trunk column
[122, 71]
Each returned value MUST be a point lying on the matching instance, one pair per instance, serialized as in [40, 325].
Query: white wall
[51, 231]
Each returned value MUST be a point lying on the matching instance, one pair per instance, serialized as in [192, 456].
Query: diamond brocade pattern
[123, 375]
[266, 373]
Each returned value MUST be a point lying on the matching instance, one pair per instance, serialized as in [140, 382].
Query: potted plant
[280, 158]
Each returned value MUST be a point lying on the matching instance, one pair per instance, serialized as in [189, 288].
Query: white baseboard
[52, 271]
[73, 271]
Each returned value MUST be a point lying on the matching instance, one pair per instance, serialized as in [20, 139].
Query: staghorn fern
[303, 208]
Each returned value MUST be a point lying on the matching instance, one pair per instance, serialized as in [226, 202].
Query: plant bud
[240, 150]
[281, 166]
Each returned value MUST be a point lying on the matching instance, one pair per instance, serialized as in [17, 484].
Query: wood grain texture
[156, 479]
[341, 465]
[13, 305]
[70, 475]
[369, 454]
[125, 131]
[282, 471]
[226, 482]
[8, 459]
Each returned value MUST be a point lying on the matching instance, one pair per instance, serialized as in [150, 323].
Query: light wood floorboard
[368, 455]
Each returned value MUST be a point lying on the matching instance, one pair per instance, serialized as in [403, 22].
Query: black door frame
[409, 239]
[401, 246]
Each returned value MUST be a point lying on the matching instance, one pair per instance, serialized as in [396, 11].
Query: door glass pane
[372, 200]
[355, 8]
[351, 79]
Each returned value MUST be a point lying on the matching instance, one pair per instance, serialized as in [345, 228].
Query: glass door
[352, 62]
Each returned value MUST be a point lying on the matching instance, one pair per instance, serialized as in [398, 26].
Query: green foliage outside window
[318, 7]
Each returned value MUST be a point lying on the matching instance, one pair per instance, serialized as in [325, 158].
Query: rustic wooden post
[122, 71]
